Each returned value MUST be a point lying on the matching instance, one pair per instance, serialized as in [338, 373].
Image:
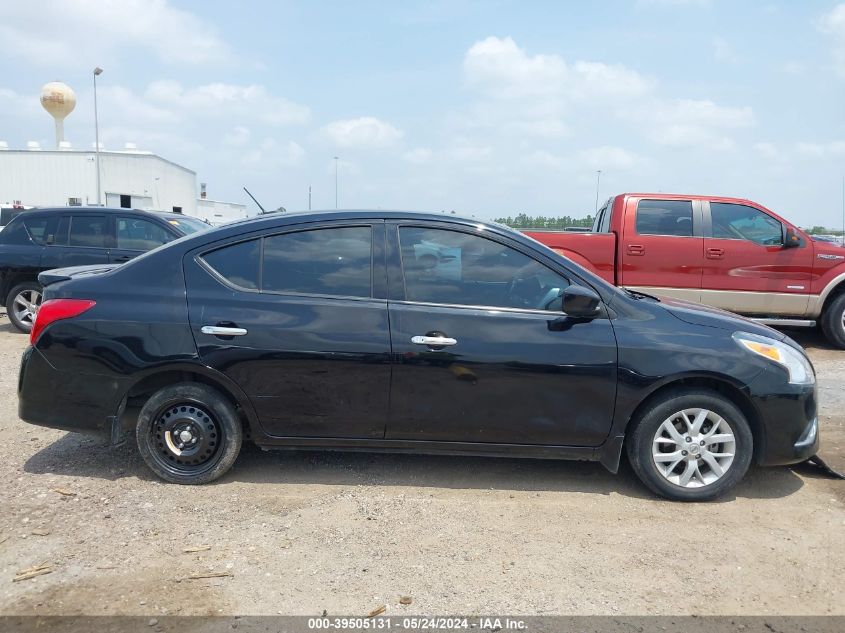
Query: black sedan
[388, 331]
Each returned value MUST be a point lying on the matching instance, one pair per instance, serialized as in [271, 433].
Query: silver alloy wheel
[693, 448]
[26, 306]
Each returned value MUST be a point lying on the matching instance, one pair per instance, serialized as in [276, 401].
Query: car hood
[698, 314]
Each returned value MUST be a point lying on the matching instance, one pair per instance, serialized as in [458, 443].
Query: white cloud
[610, 157]
[362, 132]
[500, 68]
[271, 154]
[238, 137]
[833, 23]
[221, 99]
[769, 150]
[821, 150]
[723, 51]
[65, 32]
[688, 122]
[793, 68]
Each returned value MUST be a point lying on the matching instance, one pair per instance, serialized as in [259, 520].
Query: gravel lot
[299, 533]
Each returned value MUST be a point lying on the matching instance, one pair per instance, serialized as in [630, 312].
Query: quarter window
[442, 266]
[321, 261]
[140, 235]
[741, 222]
[88, 230]
[664, 217]
[237, 263]
[39, 228]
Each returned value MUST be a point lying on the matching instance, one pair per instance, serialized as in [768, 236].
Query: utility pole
[335, 182]
[843, 211]
[309, 197]
[598, 180]
[97, 71]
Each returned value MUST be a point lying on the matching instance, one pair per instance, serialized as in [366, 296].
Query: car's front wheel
[22, 304]
[189, 433]
[690, 445]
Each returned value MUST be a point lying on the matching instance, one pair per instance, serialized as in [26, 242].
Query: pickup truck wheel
[22, 305]
[691, 445]
[189, 433]
[833, 322]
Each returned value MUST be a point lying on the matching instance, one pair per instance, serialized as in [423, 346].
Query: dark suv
[42, 239]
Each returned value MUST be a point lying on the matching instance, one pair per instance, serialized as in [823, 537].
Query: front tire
[690, 445]
[22, 305]
[189, 433]
[833, 322]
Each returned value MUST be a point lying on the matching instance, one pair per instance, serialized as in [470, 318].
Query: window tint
[89, 230]
[40, 227]
[60, 238]
[740, 222]
[15, 233]
[237, 263]
[443, 266]
[322, 261]
[664, 217]
[140, 235]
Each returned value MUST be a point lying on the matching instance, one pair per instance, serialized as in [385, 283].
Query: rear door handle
[636, 249]
[433, 341]
[715, 253]
[219, 330]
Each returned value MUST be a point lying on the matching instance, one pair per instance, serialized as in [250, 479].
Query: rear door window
[664, 217]
[322, 262]
[89, 230]
[237, 263]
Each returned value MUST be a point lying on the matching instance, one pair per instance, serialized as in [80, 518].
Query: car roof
[46, 210]
[292, 217]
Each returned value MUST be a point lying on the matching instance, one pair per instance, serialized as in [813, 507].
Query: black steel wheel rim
[185, 439]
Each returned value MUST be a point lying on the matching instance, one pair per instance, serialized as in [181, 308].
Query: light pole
[335, 182]
[598, 180]
[97, 71]
[309, 197]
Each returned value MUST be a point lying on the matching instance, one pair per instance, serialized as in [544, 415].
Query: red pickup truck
[725, 252]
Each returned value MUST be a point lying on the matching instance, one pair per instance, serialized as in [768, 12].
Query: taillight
[55, 310]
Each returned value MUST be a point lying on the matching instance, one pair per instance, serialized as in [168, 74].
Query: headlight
[797, 364]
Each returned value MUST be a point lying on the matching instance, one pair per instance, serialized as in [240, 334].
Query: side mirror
[792, 238]
[580, 302]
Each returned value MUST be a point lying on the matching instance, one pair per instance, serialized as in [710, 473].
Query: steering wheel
[529, 293]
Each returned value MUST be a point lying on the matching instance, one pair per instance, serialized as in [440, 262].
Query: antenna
[254, 200]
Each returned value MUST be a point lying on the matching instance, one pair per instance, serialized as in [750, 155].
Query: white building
[129, 178]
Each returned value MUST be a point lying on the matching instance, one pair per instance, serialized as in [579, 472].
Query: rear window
[40, 227]
[664, 217]
[237, 264]
[7, 214]
[188, 225]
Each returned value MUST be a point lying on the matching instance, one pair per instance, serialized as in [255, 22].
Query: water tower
[59, 100]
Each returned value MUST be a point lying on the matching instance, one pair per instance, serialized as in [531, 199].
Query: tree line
[523, 221]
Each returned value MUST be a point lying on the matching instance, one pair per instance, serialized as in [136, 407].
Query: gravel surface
[304, 532]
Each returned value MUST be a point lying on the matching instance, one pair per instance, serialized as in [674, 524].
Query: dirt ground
[300, 533]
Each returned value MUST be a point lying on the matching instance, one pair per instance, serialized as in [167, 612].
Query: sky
[487, 108]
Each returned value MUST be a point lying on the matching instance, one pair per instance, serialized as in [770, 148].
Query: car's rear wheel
[189, 433]
[22, 305]
[833, 321]
[691, 445]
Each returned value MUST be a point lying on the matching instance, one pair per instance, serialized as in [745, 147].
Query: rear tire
[22, 305]
[833, 322]
[189, 433]
[690, 445]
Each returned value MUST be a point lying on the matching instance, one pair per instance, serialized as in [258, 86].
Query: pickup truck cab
[729, 253]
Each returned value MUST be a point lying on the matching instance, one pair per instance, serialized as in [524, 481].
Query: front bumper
[85, 403]
[789, 419]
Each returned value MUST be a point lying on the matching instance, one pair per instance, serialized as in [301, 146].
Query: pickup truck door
[746, 267]
[661, 247]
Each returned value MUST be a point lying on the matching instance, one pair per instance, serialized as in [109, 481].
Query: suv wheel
[691, 445]
[189, 433]
[22, 305]
[833, 322]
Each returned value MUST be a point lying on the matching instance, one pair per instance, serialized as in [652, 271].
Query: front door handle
[636, 249]
[433, 341]
[219, 330]
[715, 253]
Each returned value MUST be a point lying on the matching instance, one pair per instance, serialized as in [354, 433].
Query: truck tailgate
[594, 251]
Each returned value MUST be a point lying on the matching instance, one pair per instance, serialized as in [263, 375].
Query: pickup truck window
[741, 222]
[456, 268]
[664, 217]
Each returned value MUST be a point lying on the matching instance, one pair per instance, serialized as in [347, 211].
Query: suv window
[89, 230]
[741, 222]
[664, 217]
[443, 266]
[320, 261]
[140, 235]
[237, 263]
[40, 227]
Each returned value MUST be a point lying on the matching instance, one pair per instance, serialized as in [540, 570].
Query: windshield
[188, 225]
